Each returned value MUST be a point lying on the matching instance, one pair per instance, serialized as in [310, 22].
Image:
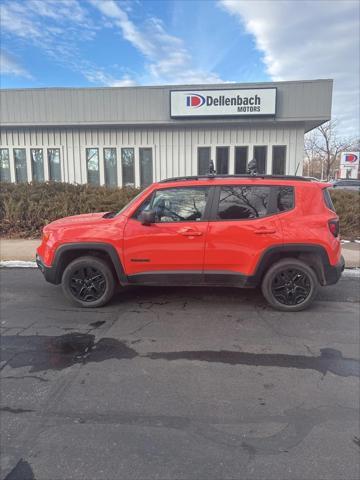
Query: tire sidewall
[279, 266]
[91, 262]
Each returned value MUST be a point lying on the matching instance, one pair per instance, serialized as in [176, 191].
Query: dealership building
[137, 135]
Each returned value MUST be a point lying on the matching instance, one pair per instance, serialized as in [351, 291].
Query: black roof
[270, 177]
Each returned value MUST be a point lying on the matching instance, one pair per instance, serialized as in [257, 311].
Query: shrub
[347, 206]
[26, 207]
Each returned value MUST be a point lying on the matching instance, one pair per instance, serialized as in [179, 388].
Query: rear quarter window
[285, 199]
[328, 200]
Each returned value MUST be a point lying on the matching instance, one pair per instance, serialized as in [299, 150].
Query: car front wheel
[290, 285]
[88, 282]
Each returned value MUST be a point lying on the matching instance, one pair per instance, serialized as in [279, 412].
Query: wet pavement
[178, 383]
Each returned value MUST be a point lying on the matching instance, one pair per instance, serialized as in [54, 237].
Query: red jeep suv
[280, 233]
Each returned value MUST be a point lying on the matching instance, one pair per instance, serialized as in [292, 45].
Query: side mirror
[147, 217]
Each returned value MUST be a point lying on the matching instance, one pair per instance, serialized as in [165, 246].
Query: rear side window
[285, 199]
[241, 202]
[327, 199]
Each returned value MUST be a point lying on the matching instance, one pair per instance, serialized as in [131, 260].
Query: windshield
[130, 203]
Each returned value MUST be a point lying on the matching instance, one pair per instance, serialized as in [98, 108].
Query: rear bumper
[332, 273]
[48, 272]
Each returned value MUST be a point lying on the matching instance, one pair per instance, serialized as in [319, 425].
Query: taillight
[334, 227]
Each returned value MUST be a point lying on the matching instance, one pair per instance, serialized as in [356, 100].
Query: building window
[204, 158]
[241, 159]
[110, 166]
[278, 159]
[20, 164]
[4, 165]
[146, 166]
[243, 202]
[37, 164]
[222, 160]
[260, 155]
[128, 167]
[92, 163]
[54, 164]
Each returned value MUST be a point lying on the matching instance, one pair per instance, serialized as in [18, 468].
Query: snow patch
[351, 272]
[17, 264]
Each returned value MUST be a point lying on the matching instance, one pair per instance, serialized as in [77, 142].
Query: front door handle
[189, 232]
[265, 231]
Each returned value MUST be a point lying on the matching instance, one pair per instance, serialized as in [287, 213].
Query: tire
[290, 285]
[88, 282]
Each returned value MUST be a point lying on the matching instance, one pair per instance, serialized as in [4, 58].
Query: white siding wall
[174, 148]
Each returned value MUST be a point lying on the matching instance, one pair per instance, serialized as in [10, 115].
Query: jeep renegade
[280, 233]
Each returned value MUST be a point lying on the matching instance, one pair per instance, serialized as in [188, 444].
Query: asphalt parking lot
[178, 383]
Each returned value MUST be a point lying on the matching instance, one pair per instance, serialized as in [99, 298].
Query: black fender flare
[57, 268]
[317, 253]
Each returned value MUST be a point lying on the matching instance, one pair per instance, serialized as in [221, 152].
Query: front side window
[243, 202]
[4, 165]
[110, 167]
[204, 158]
[279, 159]
[260, 155]
[180, 204]
[54, 164]
[222, 160]
[146, 167]
[128, 167]
[37, 164]
[92, 163]
[20, 164]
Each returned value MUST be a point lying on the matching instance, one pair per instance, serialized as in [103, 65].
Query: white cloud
[9, 66]
[99, 76]
[306, 40]
[168, 59]
[54, 27]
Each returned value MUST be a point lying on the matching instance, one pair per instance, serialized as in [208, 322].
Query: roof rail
[253, 177]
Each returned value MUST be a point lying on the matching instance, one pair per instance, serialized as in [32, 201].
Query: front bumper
[48, 272]
[332, 273]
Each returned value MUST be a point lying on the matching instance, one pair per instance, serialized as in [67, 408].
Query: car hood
[85, 218]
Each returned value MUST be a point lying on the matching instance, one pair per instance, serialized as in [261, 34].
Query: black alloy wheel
[88, 281]
[291, 286]
[87, 284]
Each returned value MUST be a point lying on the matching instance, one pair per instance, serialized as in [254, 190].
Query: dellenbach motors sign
[222, 103]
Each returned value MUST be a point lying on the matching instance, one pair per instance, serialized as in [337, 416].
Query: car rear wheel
[290, 285]
[88, 281]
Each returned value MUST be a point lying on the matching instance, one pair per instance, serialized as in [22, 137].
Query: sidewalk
[24, 250]
[18, 249]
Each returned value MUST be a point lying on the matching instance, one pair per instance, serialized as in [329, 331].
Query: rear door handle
[189, 232]
[265, 231]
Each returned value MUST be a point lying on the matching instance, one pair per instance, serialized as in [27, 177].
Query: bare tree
[322, 150]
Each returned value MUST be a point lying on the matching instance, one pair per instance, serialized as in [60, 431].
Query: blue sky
[46, 43]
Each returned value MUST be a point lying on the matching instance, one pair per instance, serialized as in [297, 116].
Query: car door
[240, 229]
[174, 244]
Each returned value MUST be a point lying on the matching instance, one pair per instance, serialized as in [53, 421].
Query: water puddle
[58, 352]
[40, 352]
[21, 471]
[330, 360]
